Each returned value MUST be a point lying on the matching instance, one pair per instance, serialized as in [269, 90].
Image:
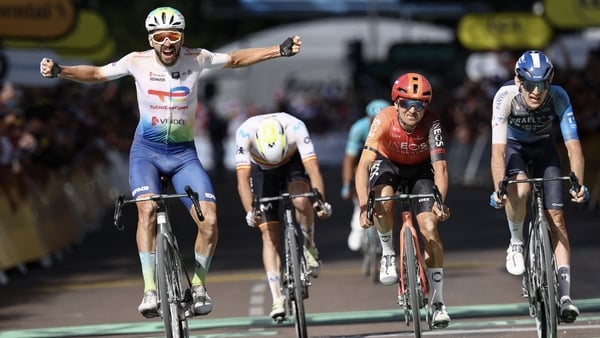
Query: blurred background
[64, 146]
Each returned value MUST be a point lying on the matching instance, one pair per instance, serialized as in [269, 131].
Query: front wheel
[171, 291]
[413, 288]
[295, 250]
[541, 277]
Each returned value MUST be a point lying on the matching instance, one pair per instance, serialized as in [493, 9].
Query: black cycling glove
[55, 70]
[285, 48]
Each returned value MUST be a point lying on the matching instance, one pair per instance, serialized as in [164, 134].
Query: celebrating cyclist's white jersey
[166, 79]
[167, 96]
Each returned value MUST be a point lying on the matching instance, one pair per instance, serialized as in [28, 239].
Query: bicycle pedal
[279, 318]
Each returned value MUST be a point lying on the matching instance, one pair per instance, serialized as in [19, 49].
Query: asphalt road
[93, 289]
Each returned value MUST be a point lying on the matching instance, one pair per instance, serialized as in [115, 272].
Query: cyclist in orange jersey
[405, 143]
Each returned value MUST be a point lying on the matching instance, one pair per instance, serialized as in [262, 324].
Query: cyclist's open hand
[441, 215]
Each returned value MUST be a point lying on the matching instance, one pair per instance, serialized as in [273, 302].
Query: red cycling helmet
[412, 86]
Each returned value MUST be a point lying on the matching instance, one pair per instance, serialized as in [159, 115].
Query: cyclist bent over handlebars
[405, 143]
[275, 153]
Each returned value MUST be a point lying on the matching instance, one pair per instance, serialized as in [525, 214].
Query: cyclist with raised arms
[405, 143]
[356, 140]
[274, 154]
[166, 78]
[523, 113]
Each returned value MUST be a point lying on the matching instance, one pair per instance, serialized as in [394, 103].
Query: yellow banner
[36, 18]
[572, 14]
[495, 31]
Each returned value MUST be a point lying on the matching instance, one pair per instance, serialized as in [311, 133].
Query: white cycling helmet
[270, 140]
[165, 18]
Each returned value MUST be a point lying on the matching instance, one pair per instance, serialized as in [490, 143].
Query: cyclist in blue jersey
[522, 132]
[354, 145]
[166, 78]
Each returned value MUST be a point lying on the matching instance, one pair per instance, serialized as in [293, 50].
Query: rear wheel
[412, 273]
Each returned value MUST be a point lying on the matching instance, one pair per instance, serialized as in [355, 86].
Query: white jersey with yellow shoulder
[167, 96]
[297, 140]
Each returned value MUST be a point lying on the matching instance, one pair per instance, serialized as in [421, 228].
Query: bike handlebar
[437, 196]
[121, 201]
[287, 196]
[503, 185]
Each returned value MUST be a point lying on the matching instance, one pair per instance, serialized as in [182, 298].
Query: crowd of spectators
[44, 129]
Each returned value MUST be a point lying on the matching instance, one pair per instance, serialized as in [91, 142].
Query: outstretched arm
[81, 73]
[249, 56]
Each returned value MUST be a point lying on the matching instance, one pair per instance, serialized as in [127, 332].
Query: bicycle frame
[413, 284]
[540, 277]
[295, 274]
[173, 281]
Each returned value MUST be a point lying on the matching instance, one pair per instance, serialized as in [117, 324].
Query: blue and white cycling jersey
[512, 120]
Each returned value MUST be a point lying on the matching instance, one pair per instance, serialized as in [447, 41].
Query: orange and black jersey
[424, 144]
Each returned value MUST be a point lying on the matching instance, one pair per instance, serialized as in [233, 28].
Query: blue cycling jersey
[357, 135]
[511, 119]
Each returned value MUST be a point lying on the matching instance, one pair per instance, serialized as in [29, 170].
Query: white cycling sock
[148, 260]
[386, 243]
[516, 232]
[201, 266]
[564, 282]
[436, 281]
[274, 281]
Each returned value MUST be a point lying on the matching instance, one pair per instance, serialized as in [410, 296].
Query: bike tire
[548, 302]
[295, 252]
[170, 286]
[412, 271]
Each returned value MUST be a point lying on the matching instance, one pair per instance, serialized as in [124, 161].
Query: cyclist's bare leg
[516, 207]
[434, 250]
[206, 239]
[304, 211]
[384, 211]
[271, 236]
[146, 241]
[434, 254]
[560, 237]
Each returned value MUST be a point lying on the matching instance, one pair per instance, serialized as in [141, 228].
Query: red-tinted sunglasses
[162, 36]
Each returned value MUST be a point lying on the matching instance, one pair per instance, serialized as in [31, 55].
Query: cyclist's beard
[166, 58]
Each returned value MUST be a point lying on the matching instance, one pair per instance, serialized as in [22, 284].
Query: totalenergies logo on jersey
[175, 95]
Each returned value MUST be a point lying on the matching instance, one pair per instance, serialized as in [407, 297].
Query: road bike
[175, 299]
[540, 278]
[295, 273]
[413, 285]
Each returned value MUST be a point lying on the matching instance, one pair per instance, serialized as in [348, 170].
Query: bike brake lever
[370, 203]
[118, 211]
[194, 197]
[574, 181]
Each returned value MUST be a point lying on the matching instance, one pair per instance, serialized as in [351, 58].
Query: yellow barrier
[20, 238]
[50, 218]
